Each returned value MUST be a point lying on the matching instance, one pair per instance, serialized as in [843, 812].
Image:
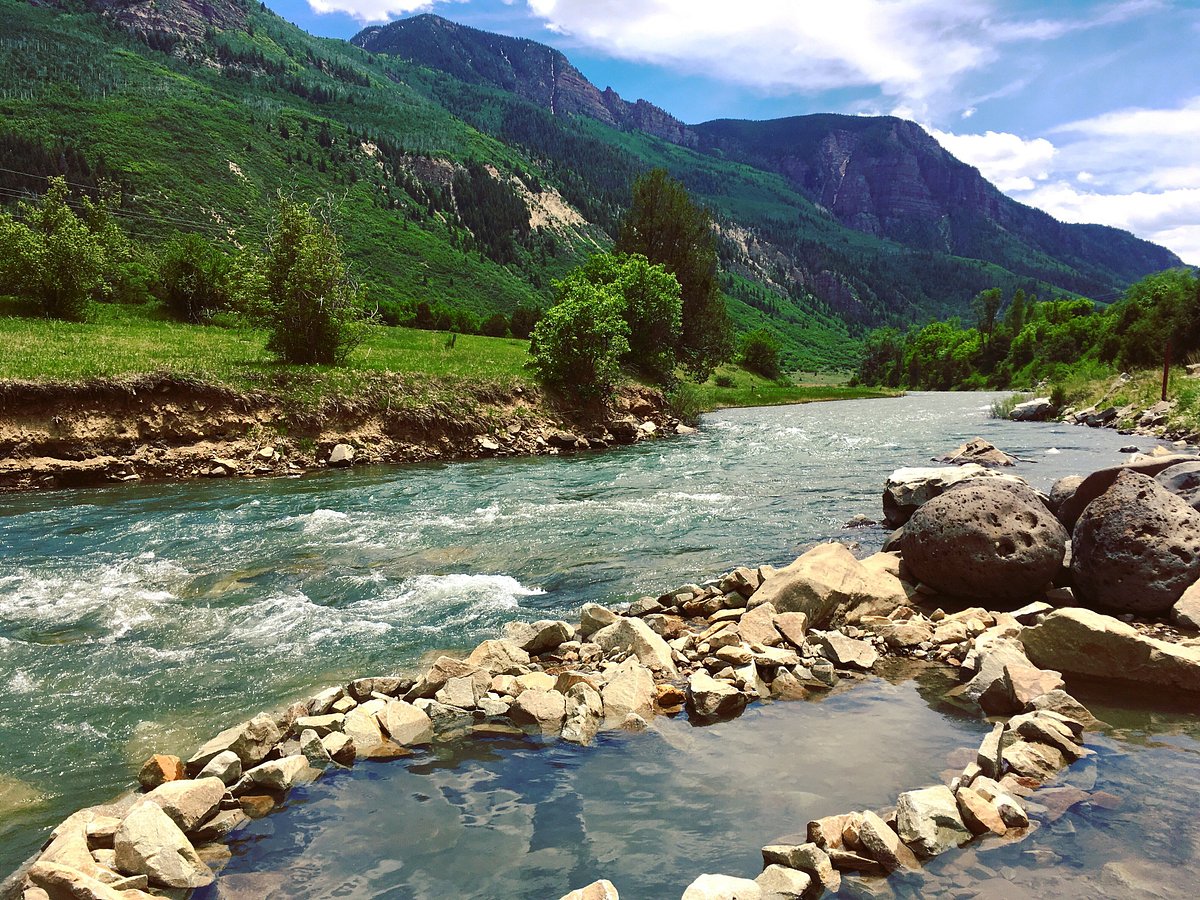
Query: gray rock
[783, 883]
[722, 887]
[225, 766]
[1030, 759]
[929, 822]
[149, 843]
[1038, 409]
[987, 540]
[908, 489]
[250, 741]
[635, 636]
[189, 803]
[808, 858]
[538, 637]
[314, 750]
[1100, 481]
[584, 714]
[406, 724]
[1136, 548]
[342, 455]
[977, 450]
[220, 826]
[1182, 480]
[848, 653]
[708, 698]
[277, 775]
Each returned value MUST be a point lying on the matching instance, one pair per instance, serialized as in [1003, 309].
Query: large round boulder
[1136, 547]
[988, 540]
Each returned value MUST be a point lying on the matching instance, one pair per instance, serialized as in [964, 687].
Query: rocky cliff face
[528, 69]
[180, 18]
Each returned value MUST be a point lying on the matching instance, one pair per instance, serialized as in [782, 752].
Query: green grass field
[123, 341]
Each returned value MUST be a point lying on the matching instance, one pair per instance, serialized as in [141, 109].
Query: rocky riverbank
[976, 579]
[162, 427]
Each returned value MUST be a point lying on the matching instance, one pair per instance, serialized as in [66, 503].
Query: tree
[194, 278]
[524, 318]
[650, 306]
[578, 344]
[986, 305]
[760, 353]
[54, 259]
[311, 306]
[496, 326]
[665, 226]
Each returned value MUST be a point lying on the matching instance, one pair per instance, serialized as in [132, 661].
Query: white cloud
[968, 112]
[1010, 161]
[1134, 169]
[376, 10]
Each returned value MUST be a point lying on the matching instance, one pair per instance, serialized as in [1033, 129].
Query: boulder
[149, 843]
[405, 724]
[708, 698]
[808, 858]
[883, 845]
[757, 627]
[220, 826]
[977, 450]
[1039, 409]
[828, 584]
[1185, 613]
[1136, 548]
[225, 766]
[929, 822]
[1062, 491]
[341, 456]
[978, 814]
[782, 883]
[584, 713]
[987, 540]
[159, 769]
[464, 691]
[277, 775]
[722, 887]
[842, 651]
[545, 709]
[793, 626]
[1100, 481]
[597, 890]
[629, 689]
[990, 686]
[635, 636]
[189, 803]
[1012, 814]
[59, 882]
[908, 489]
[1183, 480]
[250, 741]
[593, 617]
[1032, 760]
[314, 750]
[539, 637]
[497, 658]
[362, 728]
[340, 748]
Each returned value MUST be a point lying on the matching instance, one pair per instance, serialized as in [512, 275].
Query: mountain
[474, 169]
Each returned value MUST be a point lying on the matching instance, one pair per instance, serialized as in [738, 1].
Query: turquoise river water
[145, 618]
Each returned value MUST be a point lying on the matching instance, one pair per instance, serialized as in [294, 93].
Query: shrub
[724, 380]
[194, 278]
[496, 326]
[760, 353]
[524, 318]
[578, 344]
[685, 403]
[311, 306]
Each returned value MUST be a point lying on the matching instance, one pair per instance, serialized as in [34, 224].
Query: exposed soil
[163, 427]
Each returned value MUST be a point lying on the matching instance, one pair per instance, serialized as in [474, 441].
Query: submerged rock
[1136, 548]
[988, 540]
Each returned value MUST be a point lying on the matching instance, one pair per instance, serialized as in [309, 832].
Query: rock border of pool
[753, 634]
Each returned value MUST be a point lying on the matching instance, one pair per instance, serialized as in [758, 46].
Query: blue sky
[1089, 109]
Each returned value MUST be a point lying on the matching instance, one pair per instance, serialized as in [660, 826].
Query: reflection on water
[145, 613]
[517, 818]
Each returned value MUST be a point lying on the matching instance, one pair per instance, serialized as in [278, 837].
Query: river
[145, 618]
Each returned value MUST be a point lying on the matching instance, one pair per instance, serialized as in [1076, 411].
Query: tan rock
[59, 882]
[1032, 760]
[597, 890]
[545, 709]
[149, 843]
[500, 657]
[722, 887]
[757, 627]
[189, 803]
[635, 636]
[709, 698]
[978, 814]
[629, 689]
[883, 845]
[782, 883]
[793, 626]
[807, 858]
[405, 724]
[1027, 683]
[929, 822]
[251, 741]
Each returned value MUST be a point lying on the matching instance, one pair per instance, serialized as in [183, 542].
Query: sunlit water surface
[144, 618]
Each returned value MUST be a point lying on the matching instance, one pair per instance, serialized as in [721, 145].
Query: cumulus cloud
[1133, 169]
[375, 10]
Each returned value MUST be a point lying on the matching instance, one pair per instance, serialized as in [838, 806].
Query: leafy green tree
[760, 353]
[651, 307]
[55, 261]
[986, 306]
[666, 227]
[194, 278]
[312, 308]
[524, 318]
[496, 326]
[578, 344]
